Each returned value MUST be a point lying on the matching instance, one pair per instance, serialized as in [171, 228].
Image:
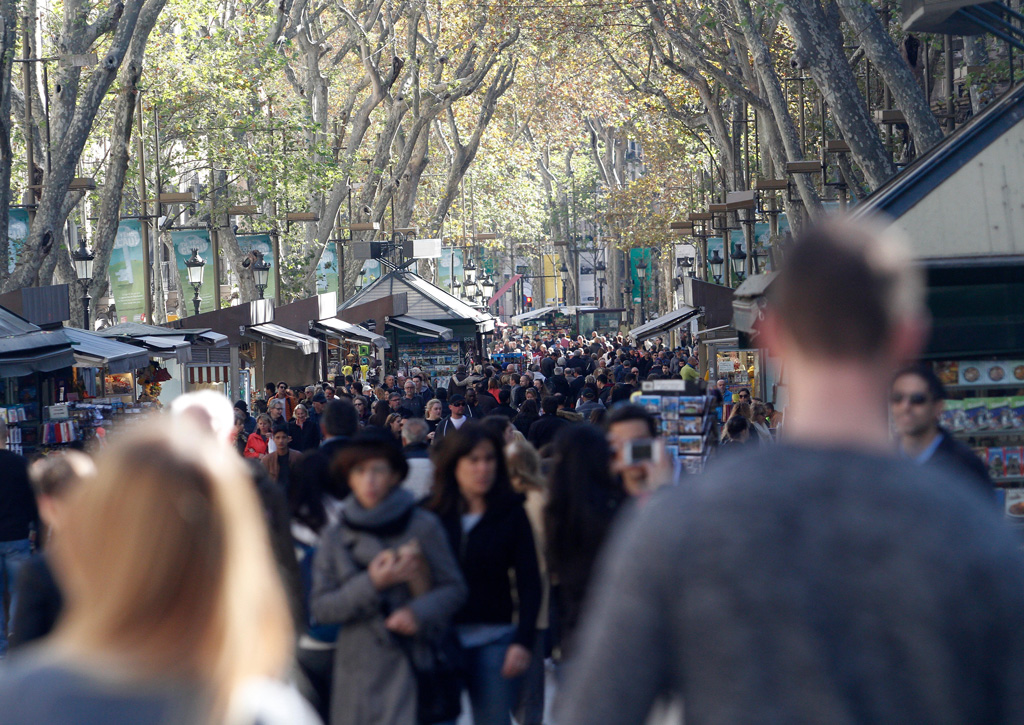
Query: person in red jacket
[258, 444]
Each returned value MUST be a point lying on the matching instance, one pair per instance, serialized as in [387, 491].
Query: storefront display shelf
[963, 434]
[987, 386]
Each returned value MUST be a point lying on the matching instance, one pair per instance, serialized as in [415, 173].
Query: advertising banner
[327, 270]
[17, 233]
[127, 272]
[261, 242]
[641, 257]
[451, 258]
[370, 272]
[184, 241]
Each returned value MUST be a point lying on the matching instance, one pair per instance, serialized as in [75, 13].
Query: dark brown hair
[446, 498]
[842, 289]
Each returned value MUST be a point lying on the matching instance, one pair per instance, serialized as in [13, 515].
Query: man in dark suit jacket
[557, 383]
[503, 407]
[917, 401]
[339, 423]
[544, 429]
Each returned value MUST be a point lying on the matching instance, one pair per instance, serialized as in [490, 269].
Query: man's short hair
[845, 287]
[504, 395]
[339, 418]
[629, 411]
[280, 428]
[549, 405]
[936, 389]
[415, 430]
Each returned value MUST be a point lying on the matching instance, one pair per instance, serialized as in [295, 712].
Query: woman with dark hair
[362, 406]
[500, 426]
[379, 418]
[528, 413]
[489, 530]
[386, 574]
[584, 498]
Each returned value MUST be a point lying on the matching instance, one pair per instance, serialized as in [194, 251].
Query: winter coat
[256, 446]
[373, 681]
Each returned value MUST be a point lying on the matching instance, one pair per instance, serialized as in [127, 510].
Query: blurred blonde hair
[524, 466]
[58, 474]
[166, 564]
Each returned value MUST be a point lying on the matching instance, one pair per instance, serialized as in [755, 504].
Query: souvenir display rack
[686, 419]
[438, 360]
[985, 410]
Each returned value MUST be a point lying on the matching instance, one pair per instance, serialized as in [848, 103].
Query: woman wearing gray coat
[386, 574]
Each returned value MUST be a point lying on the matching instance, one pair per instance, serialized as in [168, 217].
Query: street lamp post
[194, 266]
[716, 262]
[83, 259]
[261, 274]
[564, 274]
[739, 257]
[641, 272]
[487, 288]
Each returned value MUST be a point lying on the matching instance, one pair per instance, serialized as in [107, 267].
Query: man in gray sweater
[822, 580]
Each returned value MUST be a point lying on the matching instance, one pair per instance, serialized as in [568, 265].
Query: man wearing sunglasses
[460, 413]
[916, 404]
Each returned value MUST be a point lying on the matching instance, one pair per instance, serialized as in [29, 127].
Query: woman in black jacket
[304, 433]
[490, 534]
[584, 498]
[528, 413]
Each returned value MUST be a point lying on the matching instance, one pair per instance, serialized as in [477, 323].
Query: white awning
[532, 315]
[664, 323]
[168, 346]
[334, 327]
[94, 351]
[213, 339]
[277, 335]
[420, 327]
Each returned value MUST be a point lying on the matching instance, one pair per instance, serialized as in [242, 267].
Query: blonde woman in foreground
[174, 612]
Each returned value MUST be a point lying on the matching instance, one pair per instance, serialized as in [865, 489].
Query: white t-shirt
[459, 422]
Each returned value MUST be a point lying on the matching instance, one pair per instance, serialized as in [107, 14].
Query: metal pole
[275, 240]
[147, 264]
[214, 238]
[86, 299]
[26, 88]
[950, 108]
[197, 300]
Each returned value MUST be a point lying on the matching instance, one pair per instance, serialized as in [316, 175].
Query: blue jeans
[12, 555]
[492, 697]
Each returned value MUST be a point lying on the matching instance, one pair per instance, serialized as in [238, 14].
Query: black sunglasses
[456, 405]
[913, 398]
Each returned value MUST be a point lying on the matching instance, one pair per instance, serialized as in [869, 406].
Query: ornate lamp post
[716, 263]
[83, 258]
[195, 266]
[739, 257]
[563, 272]
[487, 287]
[261, 274]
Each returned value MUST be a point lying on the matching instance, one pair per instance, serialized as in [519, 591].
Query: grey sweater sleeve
[341, 592]
[622, 662]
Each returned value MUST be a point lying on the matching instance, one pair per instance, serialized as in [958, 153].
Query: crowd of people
[388, 547]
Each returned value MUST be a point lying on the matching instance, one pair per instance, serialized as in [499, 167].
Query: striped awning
[200, 374]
